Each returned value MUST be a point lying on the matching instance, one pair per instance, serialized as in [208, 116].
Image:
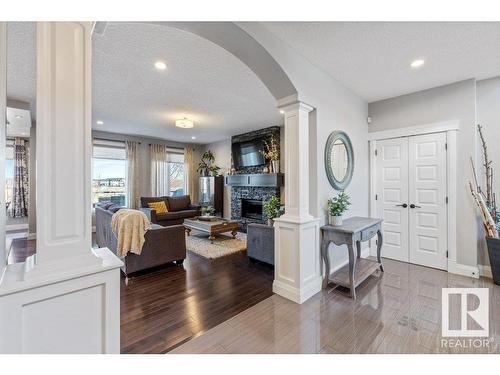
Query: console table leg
[380, 242]
[358, 248]
[352, 270]
[324, 254]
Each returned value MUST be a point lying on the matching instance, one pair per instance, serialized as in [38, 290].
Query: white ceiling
[202, 82]
[373, 58]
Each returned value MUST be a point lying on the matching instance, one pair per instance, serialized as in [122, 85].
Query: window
[175, 173]
[109, 172]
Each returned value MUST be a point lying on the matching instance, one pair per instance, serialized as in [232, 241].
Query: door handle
[414, 206]
[404, 205]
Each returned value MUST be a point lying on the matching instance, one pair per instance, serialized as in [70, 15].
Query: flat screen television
[248, 153]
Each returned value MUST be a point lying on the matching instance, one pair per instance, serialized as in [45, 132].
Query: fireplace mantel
[274, 180]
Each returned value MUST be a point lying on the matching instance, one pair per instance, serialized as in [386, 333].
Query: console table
[353, 231]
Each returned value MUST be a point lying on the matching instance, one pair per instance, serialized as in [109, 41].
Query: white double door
[411, 198]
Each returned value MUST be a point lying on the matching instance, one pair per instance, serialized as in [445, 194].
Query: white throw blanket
[129, 226]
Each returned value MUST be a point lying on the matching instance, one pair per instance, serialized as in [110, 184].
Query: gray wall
[488, 115]
[451, 102]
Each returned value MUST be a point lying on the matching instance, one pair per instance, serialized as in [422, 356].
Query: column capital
[296, 106]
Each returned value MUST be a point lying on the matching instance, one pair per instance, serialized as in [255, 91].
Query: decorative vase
[494, 254]
[270, 222]
[275, 166]
[335, 221]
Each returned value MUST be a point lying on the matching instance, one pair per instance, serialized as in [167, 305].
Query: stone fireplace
[247, 203]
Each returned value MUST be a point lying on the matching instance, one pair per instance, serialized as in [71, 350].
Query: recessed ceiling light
[99, 122]
[193, 137]
[160, 65]
[184, 123]
[18, 116]
[282, 112]
[417, 63]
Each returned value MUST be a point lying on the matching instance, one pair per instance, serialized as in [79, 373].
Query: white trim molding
[450, 128]
[436, 127]
[485, 271]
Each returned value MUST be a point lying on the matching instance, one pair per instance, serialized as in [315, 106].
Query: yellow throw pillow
[159, 207]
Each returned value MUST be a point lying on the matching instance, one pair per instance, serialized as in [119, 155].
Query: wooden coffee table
[212, 228]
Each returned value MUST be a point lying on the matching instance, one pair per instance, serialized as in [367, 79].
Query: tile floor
[398, 311]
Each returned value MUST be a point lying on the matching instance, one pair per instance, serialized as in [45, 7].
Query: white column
[297, 252]
[63, 151]
[66, 298]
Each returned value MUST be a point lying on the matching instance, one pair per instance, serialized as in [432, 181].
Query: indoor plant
[271, 152]
[273, 209]
[207, 167]
[336, 207]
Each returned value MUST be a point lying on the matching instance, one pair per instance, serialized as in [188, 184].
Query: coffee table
[214, 227]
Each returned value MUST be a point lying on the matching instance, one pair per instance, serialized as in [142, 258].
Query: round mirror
[339, 160]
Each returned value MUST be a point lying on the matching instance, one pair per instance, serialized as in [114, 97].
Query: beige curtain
[132, 150]
[159, 170]
[189, 173]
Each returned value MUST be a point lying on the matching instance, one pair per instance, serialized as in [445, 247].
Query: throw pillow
[159, 207]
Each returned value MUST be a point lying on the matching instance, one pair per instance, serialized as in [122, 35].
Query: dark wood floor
[166, 307]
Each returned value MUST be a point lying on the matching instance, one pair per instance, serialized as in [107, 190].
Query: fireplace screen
[251, 209]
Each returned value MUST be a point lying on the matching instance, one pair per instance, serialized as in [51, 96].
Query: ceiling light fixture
[417, 63]
[184, 123]
[160, 65]
[282, 112]
[18, 116]
[99, 122]
[193, 137]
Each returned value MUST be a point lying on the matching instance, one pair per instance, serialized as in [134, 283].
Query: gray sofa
[260, 243]
[179, 208]
[162, 244]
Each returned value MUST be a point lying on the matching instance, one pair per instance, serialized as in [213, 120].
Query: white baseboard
[13, 227]
[93, 229]
[463, 269]
[31, 236]
[295, 294]
[485, 271]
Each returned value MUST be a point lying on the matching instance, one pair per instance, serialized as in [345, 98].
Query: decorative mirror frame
[334, 136]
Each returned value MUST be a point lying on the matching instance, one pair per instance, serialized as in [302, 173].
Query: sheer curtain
[131, 149]
[159, 170]
[189, 173]
[20, 190]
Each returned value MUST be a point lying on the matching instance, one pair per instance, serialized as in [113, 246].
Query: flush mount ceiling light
[282, 112]
[99, 122]
[417, 63]
[184, 123]
[193, 137]
[18, 116]
[160, 65]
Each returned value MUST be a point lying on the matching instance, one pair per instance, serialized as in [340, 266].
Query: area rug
[223, 244]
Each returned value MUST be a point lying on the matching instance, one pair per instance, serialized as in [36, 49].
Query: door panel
[392, 190]
[427, 191]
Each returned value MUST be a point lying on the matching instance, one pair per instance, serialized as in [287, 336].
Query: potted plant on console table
[273, 209]
[336, 208]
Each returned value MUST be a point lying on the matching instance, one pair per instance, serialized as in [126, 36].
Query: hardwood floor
[398, 312]
[165, 307]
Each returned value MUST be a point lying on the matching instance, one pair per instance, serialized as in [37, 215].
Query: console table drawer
[369, 233]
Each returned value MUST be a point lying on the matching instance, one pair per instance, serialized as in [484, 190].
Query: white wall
[488, 115]
[451, 102]
[337, 108]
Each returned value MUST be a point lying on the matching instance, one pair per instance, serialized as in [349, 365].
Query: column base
[297, 259]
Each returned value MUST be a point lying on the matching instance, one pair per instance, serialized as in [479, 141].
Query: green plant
[207, 165]
[272, 208]
[207, 210]
[339, 204]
